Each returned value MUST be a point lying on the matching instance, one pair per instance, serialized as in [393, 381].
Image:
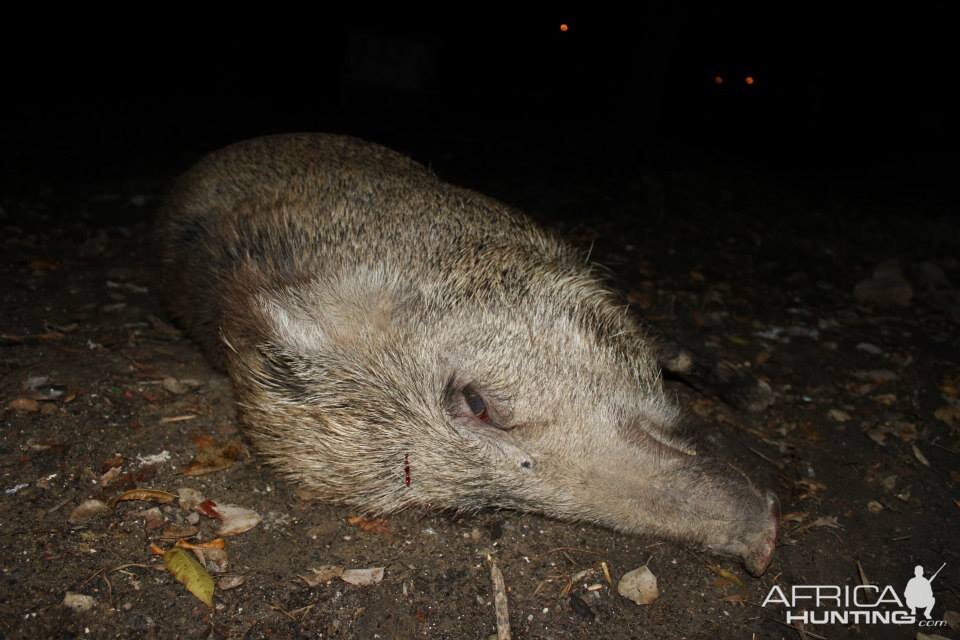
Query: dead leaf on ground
[189, 572]
[88, 510]
[808, 488]
[725, 575]
[212, 457]
[178, 532]
[234, 519]
[178, 387]
[794, 517]
[639, 585]
[838, 415]
[920, 457]
[823, 522]
[25, 405]
[737, 598]
[146, 495]
[906, 431]
[363, 577]
[231, 582]
[216, 543]
[322, 575]
[380, 525]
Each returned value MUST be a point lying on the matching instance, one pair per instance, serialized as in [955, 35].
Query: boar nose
[760, 548]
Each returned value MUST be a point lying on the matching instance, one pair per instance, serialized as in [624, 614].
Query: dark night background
[863, 89]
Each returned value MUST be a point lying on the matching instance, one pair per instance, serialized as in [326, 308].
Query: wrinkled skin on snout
[395, 341]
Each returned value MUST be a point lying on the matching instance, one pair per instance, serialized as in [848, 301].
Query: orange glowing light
[564, 27]
[717, 80]
[749, 80]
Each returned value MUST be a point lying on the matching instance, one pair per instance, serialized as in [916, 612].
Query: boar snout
[687, 498]
[756, 541]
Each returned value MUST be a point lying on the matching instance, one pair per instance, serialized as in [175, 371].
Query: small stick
[169, 419]
[763, 457]
[500, 601]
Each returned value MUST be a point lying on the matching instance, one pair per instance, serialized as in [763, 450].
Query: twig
[131, 564]
[277, 607]
[91, 577]
[109, 588]
[500, 601]
[555, 549]
[776, 464]
[169, 419]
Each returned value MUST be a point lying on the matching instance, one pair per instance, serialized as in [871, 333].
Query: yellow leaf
[190, 573]
[726, 574]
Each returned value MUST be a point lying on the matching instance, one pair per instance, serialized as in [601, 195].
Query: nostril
[526, 464]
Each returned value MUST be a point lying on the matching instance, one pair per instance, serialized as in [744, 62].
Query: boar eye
[476, 403]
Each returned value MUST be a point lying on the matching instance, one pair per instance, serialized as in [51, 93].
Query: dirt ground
[100, 394]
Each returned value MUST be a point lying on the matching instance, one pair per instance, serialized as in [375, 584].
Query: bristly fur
[351, 295]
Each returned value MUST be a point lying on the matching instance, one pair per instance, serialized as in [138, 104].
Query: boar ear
[344, 313]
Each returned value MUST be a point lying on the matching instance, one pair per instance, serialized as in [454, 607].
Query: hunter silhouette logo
[860, 604]
[919, 594]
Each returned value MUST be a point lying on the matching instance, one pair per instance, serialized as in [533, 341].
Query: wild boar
[396, 341]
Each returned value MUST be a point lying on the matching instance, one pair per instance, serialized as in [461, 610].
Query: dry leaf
[174, 386]
[725, 574]
[190, 573]
[215, 560]
[371, 526]
[322, 575]
[837, 415]
[363, 577]
[639, 585]
[886, 399]
[25, 405]
[176, 532]
[110, 476]
[211, 458]
[808, 488]
[146, 495]
[87, 510]
[230, 582]
[794, 516]
[236, 519]
[737, 599]
[216, 543]
[874, 507]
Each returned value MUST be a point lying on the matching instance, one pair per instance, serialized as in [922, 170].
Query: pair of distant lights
[747, 80]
